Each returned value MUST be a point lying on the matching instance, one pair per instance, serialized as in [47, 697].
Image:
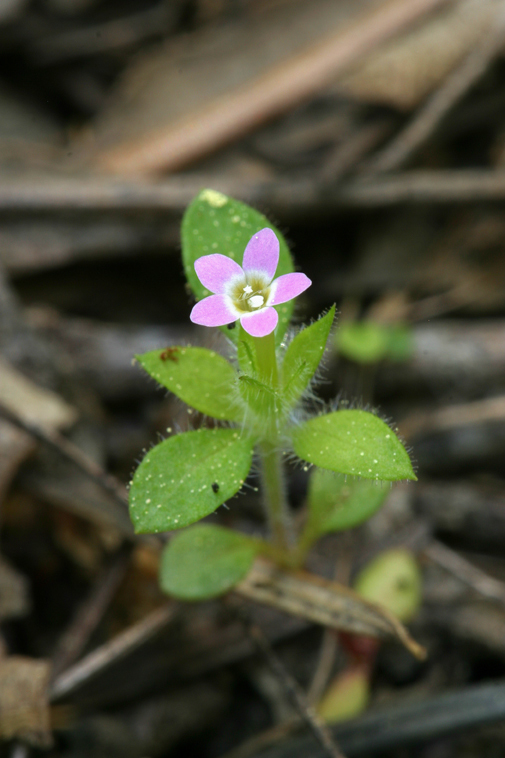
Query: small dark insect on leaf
[170, 354]
[215, 487]
[231, 326]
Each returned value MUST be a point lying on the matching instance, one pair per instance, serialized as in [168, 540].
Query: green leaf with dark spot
[215, 223]
[353, 442]
[338, 502]
[205, 562]
[303, 356]
[188, 476]
[200, 377]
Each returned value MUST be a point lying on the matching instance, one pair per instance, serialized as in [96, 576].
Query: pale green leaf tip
[213, 197]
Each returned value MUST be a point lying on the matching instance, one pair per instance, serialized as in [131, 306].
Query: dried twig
[474, 577]
[324, 666]
[111, 35]
[458, 186]
[455, 86]
[89, 615]
[84, 194]
[280, 88]
[112, 651]
[329, 645]
[453, 416]
[293, 689]
[70, 452]
[349, 152]
[406, 724]
[264, 739]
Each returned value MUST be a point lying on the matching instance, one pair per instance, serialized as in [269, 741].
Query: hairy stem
[266, 359]
[272, 472]
[274, 494]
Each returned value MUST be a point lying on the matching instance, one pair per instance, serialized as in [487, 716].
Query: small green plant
[242, 275]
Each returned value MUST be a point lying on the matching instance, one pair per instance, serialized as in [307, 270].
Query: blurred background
[372, 133]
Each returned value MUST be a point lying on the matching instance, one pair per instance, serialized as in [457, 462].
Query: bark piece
[404, 71]
[33, 404]
[24, 706]
[103, 353]
[211, 89]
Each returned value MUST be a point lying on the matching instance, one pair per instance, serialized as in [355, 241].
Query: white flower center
[256, 301]
[249, 293]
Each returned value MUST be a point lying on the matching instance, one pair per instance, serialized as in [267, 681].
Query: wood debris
[24, 704]
[372, 133]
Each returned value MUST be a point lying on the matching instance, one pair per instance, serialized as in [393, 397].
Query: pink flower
[246, 292]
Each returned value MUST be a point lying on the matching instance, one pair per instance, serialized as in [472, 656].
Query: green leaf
[353, 442]
[205, 561]
[370, 342]
[303, 356]
[337, 502]
[215, 223]
[347, 695]
[200, 377]
[186, 477]
[401, 342]
[394, 580]
[362, 341]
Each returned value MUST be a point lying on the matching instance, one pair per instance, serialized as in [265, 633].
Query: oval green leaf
[394, 580]
[215, 223]
[338, 502]
[370, 342]
[186, 477]
[205, 562]
[202, 378]
[353, 442]
[362, 341]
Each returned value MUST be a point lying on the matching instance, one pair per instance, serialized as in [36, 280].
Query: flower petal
[215, 271]
[215, 310]
[262, 253]
[286, 287]
[260, 323]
